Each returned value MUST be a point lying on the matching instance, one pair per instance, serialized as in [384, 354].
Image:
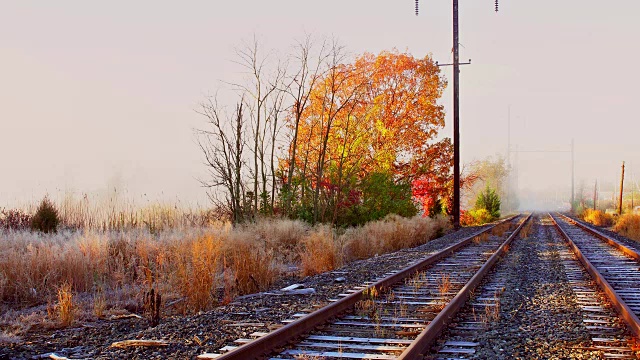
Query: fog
[96, 96]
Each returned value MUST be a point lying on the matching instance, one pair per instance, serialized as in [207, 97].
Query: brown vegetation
[319, 253]
[628, 225]
[193, 268]
[597, 217]
[65, 308]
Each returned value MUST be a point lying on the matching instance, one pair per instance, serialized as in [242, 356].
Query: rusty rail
[621, 307]
[262, 346]
[602, 236]
[426, 338]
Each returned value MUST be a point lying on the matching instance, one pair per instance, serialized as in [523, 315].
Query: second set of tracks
[402, 315]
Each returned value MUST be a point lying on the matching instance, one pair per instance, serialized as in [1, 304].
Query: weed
[526, 230]
[444, 284]
[366, 307]
[492, 310]
[65, 308]
[197, 271]
[500, 229]
[480, 238]
[99, 305]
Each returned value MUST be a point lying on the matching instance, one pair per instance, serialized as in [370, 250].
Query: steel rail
[621, 307]
[602, 236]
[264, 345]
[426, 338]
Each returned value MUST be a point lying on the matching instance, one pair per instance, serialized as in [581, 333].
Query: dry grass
[116, 211]
[65, 308]
[197, 268]
[481, 238]
[390, 234]
[99, 305]
[628, 225]
[597, 217]
[444, 284]
[318, 252]
[252, 263]
[194, 268]
[526, 230]
[500, 229]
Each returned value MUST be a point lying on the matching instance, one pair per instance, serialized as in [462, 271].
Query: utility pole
[456, 119]
[508, 195]
[595, 195]
[573, 169]
[632, 187]
[621, 189]
[456, 110]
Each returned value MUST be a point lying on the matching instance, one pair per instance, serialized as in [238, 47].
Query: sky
[101, 95]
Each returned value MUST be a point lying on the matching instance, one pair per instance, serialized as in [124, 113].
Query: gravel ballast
[539, 317]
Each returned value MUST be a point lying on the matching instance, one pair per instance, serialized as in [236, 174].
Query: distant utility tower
[456, 110]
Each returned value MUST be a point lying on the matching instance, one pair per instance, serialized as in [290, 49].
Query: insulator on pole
[417, 6]
[496, 5]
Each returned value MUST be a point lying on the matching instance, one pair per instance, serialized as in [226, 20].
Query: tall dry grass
[197, 267]
[390, 234]
[319, 251]
[628, 225]
[111, 211]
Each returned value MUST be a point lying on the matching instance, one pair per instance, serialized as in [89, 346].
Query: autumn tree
[329, 138]
[377, 114]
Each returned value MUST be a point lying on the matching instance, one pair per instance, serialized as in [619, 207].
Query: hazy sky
[97, 95]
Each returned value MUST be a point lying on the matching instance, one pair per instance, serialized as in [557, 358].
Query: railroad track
[614, 267]
[397, 317]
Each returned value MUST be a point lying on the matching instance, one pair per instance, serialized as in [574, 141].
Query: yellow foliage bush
[481, 216]
[597, 217]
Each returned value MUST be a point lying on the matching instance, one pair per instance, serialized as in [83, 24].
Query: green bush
[490, 201]
[376, 196]
[46, 217]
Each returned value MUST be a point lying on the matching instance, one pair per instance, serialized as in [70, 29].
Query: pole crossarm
[465, 63]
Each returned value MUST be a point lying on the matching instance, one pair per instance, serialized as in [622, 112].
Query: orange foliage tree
[375, 115]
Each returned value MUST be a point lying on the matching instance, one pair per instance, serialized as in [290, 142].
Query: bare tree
[223, 148]
[303, 80]
[258, 92]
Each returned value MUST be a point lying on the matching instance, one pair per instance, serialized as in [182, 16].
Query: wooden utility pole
[456, 119]
[633, 188]
[456, 110]
[573, 169]
[621, 189]
[595, 195]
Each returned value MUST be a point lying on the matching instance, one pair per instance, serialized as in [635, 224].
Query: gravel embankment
[190, 336]
[539, 317]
